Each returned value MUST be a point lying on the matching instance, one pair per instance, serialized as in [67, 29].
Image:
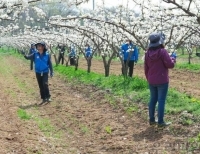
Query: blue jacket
[42, 62]
[125, 51]
[32, 50]
[72, 53]
[88, 52]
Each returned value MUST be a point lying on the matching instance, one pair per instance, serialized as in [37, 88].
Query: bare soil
[79, 120]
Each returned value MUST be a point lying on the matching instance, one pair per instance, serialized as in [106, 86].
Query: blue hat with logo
[156, 39]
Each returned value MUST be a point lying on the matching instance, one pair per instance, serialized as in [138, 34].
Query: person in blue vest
[31, 51]
[72, 55]
[88, 51]
[43, 65]
[130, 56]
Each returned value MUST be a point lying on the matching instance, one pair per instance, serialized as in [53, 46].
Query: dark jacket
[61, 49]
[157, 63]
[42, 62]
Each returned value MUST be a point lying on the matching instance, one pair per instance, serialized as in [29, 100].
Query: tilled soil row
[79, 120]
[17, 136]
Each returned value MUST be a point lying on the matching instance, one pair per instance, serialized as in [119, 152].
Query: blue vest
[41, 62]
[125, 48]
[88, 52]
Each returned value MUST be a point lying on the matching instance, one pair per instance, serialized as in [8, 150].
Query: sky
[108, 3]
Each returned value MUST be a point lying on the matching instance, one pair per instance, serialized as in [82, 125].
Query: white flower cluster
[39, 12]
[107, 30]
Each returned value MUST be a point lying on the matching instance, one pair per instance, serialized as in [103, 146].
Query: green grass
[47, 128]
[22, 114]
[108, 129]
[131, 109]
[191, 67]
[117, 84]
[84, 129]
[135, 89]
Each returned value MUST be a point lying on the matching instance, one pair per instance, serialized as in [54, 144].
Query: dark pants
[31, 65]
[43, 85]
[61, 57]
[158, 93]
[130, 66]
[72, 61]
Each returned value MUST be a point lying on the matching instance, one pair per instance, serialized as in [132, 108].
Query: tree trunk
[106, 66]
[76, 63]
[107, 70]
[183, 51]
[189, 59]
[122, 63]
[89, 69]
[67, 61]
[124, 69]
[125, 66]
[55, 58]
[89, 60]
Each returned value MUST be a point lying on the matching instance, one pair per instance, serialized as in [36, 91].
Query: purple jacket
[157, 63]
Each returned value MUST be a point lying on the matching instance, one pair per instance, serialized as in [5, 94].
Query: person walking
[31, 51]
[43, 64]
[130, 56]
[157, 62]
[61, 49]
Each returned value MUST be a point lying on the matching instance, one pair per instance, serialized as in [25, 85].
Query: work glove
[173, 59]
[128, 50]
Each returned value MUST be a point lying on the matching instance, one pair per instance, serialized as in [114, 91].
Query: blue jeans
[158, 93]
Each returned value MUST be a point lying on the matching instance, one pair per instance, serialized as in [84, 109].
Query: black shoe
[43, 101]
[164, 124]
[49, 100]
[152, 123]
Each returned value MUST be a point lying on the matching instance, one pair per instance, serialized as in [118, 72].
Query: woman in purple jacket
[157, 63]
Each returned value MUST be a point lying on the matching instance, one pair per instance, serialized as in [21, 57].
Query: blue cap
[156, 39]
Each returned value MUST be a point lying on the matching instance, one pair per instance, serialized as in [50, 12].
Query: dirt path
[79, 120]
[182, 80]
[17, 136]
